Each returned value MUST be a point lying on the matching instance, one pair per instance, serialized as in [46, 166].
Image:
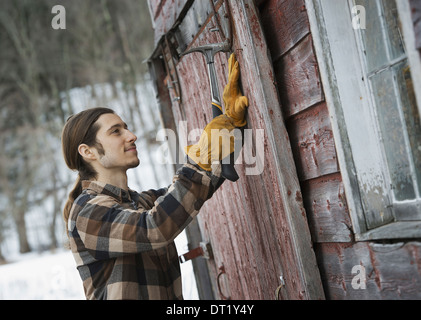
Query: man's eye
[116, 131]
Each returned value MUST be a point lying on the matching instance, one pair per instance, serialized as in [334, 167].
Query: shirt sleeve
[148, 198]
[108, 230]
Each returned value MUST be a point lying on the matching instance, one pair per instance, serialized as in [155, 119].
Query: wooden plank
[214, 227]
[298, 78]
[392, 271]
[416, 20]
[289, 19]
[231, 240]
[326, 207]
[312, 142]
[154, 8]
[393, 230]
[249, 261]
[251, 271]
[287, 218]
[165, 14]
[263, 242]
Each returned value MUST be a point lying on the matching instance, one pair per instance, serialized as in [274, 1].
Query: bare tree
[39, 68]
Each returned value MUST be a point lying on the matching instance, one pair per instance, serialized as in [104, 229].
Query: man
[123, 241]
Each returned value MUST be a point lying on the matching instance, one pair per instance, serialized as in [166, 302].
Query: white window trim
[341, 90]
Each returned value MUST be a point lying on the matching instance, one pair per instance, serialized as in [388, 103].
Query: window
[386, 68]
[369, 74]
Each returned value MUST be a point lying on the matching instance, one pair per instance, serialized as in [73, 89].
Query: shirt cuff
[215, 174]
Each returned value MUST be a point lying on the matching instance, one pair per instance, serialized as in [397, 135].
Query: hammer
[209, 51]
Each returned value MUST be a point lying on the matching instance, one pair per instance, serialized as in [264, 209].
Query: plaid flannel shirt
[123, 242]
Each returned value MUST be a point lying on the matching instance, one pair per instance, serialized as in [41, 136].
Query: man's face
[118, 143]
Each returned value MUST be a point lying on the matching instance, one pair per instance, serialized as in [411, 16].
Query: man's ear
[86, 152]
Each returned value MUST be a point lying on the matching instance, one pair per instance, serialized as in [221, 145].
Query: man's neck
[118, 179]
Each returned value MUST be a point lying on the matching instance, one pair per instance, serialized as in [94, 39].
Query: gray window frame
[349, 99]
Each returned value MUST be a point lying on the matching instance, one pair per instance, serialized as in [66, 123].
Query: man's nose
[131, 136]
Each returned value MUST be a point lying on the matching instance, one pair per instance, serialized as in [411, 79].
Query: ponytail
[77, 190]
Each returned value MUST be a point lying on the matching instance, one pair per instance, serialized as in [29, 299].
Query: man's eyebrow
[118, 125]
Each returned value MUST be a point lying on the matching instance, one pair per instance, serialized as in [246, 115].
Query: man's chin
[134, 164]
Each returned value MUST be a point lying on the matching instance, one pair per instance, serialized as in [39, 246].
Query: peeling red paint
[255, 218]
[298, 196]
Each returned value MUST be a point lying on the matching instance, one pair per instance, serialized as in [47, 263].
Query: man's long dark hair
[80, 129]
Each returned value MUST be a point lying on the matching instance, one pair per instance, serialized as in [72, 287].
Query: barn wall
[164, 13]
[257, 226]
[392, 270]
[307, 118]
[247, 222]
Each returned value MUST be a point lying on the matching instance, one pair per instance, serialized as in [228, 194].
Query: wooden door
[257, 227]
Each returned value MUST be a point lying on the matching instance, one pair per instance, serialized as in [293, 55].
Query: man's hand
[216, 142]
[235, 102]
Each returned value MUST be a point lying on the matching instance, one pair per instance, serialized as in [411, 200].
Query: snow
[46, 276]
[53, 276]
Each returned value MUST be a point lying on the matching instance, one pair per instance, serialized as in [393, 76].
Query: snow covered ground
[47, 276]
[53, 276]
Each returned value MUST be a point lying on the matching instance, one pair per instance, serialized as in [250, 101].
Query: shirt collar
[104, 188]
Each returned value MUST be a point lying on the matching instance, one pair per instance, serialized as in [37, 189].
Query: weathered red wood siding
[164, 13]
[246, 221]
[307, 117]
[393, 270]
[243, 221]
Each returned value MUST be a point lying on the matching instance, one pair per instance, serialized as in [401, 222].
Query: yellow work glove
[217, 140]
[235, 102]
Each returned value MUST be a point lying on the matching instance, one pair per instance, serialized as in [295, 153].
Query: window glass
[393, 95]
[396, 48]
[373, 41]
[412, 117]
[387, 108]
